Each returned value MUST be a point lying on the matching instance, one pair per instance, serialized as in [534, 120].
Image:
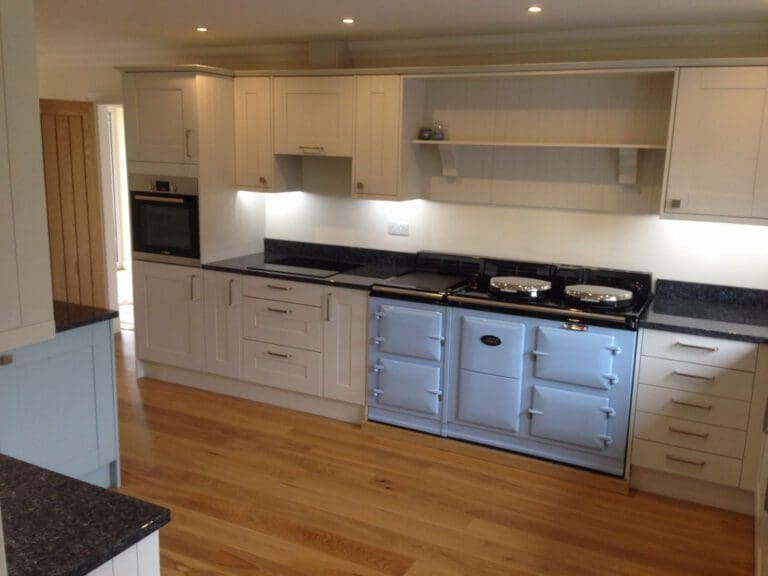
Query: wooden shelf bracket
[628, 165]
[448, 160]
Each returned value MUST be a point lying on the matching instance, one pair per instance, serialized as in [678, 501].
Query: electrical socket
[398, 228]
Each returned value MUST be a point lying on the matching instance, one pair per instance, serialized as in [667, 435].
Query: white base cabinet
[169, 314]
[222, 323]
[141, 559]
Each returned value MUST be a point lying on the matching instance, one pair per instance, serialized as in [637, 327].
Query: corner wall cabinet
[719, 160]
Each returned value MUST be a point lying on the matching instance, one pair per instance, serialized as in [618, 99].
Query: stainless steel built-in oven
[165, 219]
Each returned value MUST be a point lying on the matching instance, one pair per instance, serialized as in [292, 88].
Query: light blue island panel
[58, 405]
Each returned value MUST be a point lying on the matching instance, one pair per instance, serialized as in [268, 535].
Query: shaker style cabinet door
[377, 136]
[161, 117]
[253, 133]
[344, 345]
[222, 323]
[719, 158]
[314, 116]
[169, 314]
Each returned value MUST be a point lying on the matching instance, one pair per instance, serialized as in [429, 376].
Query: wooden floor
[256, 489]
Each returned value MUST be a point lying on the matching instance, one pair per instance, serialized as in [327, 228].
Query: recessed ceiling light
[534, 9]
[201, 29]
[348, 20]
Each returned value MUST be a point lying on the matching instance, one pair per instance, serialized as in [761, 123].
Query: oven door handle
[160, 199]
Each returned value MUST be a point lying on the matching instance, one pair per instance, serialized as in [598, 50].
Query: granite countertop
[709, 310]
[57, 526]
[69, 316]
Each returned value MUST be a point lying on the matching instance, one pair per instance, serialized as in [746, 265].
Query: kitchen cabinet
[718, 165]
[58, 407]
[256, 166]
[161, 117]
[376, 159]
[344, 342]
[26, 313]
[314, 115]
[169, 313]
[222, 299]
[696, 408]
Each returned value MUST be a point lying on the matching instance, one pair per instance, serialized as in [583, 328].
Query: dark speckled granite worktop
[709, 310]
[57, 526]
[69, 316]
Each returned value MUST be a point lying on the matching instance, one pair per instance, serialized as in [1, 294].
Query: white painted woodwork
[314, 115]
[688, 434]
[693, 407]
[732, 354]
[754, 451]
[283, 290]
[168, 302]
[161, 117]
[253, 133]
[759, 477]
[719, 154]
[26, 312]
[697, 378]
[283, 323]
[345, 345]
[376, 159]
[222, 322]
[684, 462]
[282, 367]
[141, 559]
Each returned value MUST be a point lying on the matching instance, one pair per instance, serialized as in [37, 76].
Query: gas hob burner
[519, 288]
[592, 295]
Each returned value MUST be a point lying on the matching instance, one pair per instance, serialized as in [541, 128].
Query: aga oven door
[165, 227]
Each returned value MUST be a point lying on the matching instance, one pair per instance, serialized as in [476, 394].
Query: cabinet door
[716, 141]
[161, 117]
[314, 116]
[253, 132]
[377, 136]
[169, 314]
[344, 342]
[222, 323]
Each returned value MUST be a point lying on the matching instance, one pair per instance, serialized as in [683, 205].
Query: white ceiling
[69, 24]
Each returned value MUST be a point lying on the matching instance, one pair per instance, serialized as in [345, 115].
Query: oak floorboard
[256, 489]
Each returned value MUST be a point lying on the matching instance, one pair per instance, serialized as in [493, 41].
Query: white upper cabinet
[376, 162]
[161, 117]
[719, 160]
[314, 115]
[253, 133]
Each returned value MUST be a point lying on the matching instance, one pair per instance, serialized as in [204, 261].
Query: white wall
[731, 254]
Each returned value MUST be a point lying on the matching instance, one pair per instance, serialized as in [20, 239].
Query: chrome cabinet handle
[360, 186]
[283, 288]
[312, 149]
[328, 299]
[192, 287]
[229, 293]
[187, 133]
[159, 199]
[677, 430]
[691, 404]
[278, 354]
[262, 181]
[6, 360]
[765, 417]
[697, 346]
[686, 461]
[696, 376]
[280, 310]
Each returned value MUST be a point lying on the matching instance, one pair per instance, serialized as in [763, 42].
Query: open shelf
[538, 144]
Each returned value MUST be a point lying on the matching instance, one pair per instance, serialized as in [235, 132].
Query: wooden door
[73, 196]
[377, 136]
[161, 117]
[253, 132]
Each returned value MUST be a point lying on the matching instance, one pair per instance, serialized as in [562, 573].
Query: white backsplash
[713, 253]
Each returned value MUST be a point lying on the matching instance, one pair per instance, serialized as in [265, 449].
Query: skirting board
[250, 391]
[693, 490]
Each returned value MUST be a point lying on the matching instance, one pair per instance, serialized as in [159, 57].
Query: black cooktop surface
[424, 281]
[314, 267]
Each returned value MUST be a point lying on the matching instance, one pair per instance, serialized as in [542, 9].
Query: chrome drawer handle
[312, 149]
[686, 461]
[696, 376]
[691, 404]
[677, 430]
[278, 354]
[697, 346]
[276, 287]
[280, 310]
[229, 293]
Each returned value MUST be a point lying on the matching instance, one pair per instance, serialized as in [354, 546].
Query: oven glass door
[165, 224]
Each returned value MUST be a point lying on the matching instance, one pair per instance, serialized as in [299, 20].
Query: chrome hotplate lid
[594, 294]
[520, 285]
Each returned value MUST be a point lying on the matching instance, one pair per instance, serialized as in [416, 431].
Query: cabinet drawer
[697, 378]
[700, 349]
[695, 407]
[283, 323]
[283, 290]
[282, 367]
[685, 462]
[693, 435]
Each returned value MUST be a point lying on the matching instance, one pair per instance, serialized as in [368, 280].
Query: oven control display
[162, 186]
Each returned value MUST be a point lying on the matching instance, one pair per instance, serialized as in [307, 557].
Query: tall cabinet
[26, 309]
